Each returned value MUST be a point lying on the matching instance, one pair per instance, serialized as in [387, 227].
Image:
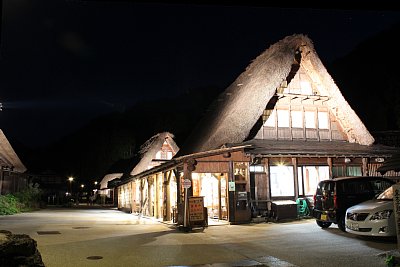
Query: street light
[70, 179]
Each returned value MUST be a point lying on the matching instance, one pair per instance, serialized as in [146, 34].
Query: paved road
[107, 237]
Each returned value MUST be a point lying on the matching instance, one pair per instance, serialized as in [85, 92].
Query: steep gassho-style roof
[8, 157]
[107, 178]
[150, 148]
[234, 113]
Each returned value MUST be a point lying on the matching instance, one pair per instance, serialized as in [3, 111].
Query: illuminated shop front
[213, 186]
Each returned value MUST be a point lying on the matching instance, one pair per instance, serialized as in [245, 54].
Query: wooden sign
[196, 209]
[396, 204]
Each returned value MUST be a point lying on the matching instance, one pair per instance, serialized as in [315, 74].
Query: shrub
[29, 198]
[9, 205]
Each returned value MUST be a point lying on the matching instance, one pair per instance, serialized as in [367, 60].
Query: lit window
[282, 181]
[297, 119]
[257, 168]
[271, 120]
[323, 120]
[306, 88]
[312, 175]
[310, 119]
[169, 155]
[283, 118]
[158, 155]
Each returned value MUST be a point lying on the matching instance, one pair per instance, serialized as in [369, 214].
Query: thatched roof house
[8, 157]
[150, 151]
[238, 108]
[107, 178]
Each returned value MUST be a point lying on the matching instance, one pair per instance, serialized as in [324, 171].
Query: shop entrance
[213, 187]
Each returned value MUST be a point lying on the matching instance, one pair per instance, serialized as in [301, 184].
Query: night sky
[63, 63]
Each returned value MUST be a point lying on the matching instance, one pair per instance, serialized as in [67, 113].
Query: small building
[105, 194]
[144, 196]
[280, 128]
[12, 177]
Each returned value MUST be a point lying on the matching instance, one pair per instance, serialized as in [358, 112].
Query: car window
[324, 186]
[379, 185]
[387, 194]
[356, 187]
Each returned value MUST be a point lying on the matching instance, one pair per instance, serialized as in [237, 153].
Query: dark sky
[63, 62]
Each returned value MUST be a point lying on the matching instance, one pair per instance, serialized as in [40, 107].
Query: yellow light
[95, 182]
[70, 178]
[82, 185]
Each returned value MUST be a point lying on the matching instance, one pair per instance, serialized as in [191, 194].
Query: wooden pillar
[167, 196]
[1, 180]
[231, 194]
[150, 182]
[132, 197]
[364, 168]
[219, 199]
[330, 164]
[266, 169]
[178, 187]
[296, 180]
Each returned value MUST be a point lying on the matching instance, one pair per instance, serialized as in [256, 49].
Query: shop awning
[309, 148]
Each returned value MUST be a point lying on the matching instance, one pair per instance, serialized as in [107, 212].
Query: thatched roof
[237, 109]
[150, 148]
[8, 157]
[107, 178]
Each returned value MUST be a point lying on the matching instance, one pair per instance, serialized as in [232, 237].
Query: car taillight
[334, 201]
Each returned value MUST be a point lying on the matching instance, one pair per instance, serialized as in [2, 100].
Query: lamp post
[70, 179]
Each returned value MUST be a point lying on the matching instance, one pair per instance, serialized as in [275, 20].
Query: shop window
[282, 181]
[310, 176]
[341, 171]
[353, 171]
[338, 171]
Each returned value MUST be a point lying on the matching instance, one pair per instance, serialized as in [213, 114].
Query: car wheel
[341, 224]
[323, 224]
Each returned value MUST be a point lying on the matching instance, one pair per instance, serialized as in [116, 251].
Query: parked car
[333, 197]
[373, 217]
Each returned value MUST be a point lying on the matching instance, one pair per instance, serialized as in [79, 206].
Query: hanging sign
[231, 186]
[186, 183]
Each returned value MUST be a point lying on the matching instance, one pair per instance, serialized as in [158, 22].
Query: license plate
[353, 226]
[324, 217]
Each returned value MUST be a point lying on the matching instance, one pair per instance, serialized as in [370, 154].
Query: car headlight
[381, 215]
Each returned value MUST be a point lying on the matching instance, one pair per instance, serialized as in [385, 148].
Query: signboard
[186, 183]
[396, 204]
[242, 195]
[231, 186]
[196, 209]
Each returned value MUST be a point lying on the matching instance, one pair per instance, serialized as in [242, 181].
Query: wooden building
[280, 128]
[12, 178]
[144, 196]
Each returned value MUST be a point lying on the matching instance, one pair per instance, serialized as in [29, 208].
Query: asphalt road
[107, 237]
